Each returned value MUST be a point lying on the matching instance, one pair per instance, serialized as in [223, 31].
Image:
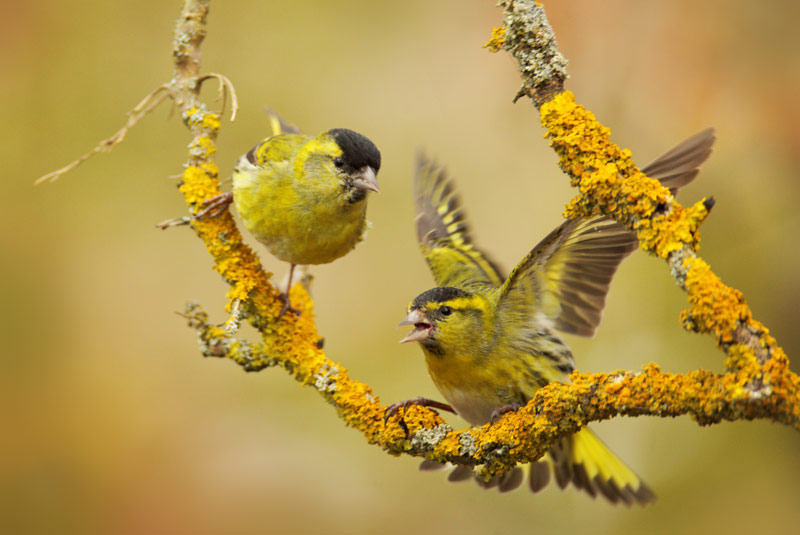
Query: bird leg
[215, 205]
[392, 408]
[498, 412]
[284, 296]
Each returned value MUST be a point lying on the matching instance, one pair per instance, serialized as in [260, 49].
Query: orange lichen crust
[715, 308]
[560, 409]
[295, 346]
[610, 183]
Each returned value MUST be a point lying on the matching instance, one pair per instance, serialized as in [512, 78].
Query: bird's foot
[500, 411]
[392, 408]
[215, 205]
[286, 306]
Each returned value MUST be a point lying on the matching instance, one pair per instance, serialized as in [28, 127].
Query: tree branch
[758, 383]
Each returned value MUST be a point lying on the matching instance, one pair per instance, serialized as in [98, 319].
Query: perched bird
[490, 341]
[304, 197]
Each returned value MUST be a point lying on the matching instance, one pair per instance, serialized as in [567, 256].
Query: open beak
[422, 327]
[366, 179]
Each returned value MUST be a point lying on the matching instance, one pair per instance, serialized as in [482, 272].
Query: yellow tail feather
[595, 468]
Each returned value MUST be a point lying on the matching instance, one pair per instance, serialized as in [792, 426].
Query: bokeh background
[114, 423]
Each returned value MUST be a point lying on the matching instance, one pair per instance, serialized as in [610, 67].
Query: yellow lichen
[608, 180]
[715, 307]
[210, 121]
[205, 146]
[740, 357]
[495, 43]
[665, 234]
[198, 185]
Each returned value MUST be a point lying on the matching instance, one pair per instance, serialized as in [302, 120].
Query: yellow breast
[299, 220]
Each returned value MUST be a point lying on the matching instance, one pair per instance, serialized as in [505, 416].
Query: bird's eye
[339, 162]
[445, 310]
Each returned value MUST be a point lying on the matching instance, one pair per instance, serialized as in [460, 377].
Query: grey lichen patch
[468, 446]
[765, 392]
[427, 439]
[481, 473]
[182, 45]
[197, 151]
[195, 115]
[325, 380]
[678, 267]
[496, 457]
[233, 323]
[252, 359]
[213, 346]
[530, 38]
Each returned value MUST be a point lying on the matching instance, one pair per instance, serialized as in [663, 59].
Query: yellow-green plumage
[490, 341]
[293, 202]
[304, 197]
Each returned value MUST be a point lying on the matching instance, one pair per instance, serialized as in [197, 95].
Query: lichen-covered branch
[754, 387]
[556, 410]
[758, 383]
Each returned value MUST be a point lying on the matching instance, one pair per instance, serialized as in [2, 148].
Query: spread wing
[443, 234]
[564, 280]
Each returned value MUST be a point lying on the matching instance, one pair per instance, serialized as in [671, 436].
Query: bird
[303, 197]
[491, 341]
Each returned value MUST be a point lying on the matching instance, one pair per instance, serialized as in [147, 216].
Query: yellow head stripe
[474, 302]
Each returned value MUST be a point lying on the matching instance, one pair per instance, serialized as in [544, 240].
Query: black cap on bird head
[438, 295]
[357, 150]
[360, 160]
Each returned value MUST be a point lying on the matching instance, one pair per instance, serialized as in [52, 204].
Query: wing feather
[443, 233]
[679, 166]
[564, 280]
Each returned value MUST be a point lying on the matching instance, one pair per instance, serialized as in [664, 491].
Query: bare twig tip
[145, 106]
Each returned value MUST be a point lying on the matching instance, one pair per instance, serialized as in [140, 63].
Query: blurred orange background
[116, 424]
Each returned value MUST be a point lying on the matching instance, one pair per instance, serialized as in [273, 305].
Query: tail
[585, 461]
[581, 459]
[278, 125]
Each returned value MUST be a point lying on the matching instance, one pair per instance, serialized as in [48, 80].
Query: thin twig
[144, 107]
[225, 85]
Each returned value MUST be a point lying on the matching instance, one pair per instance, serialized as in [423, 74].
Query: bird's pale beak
[422, 327]
[366, 179]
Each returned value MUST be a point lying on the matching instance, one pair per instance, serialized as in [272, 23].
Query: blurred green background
[113, 423]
